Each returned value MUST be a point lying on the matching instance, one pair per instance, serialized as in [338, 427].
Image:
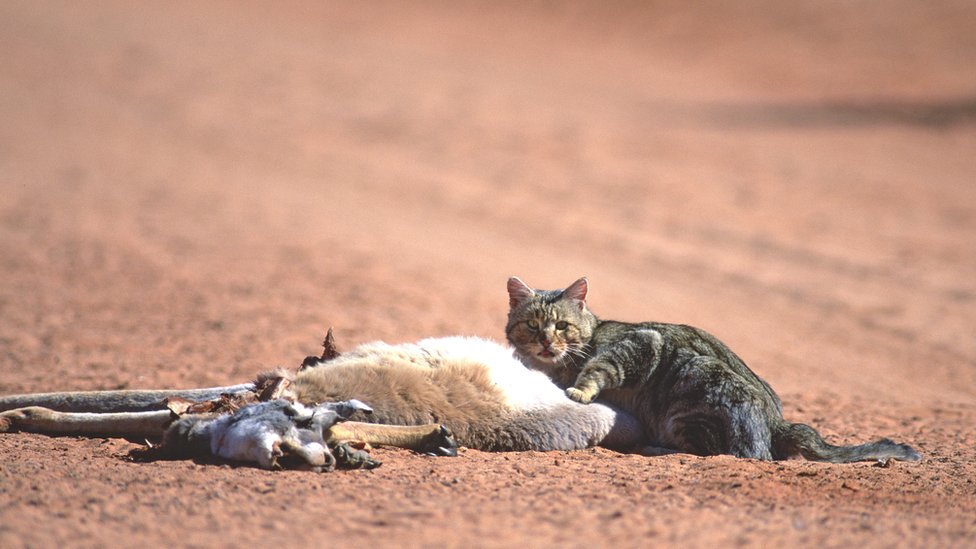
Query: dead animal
[428, 396]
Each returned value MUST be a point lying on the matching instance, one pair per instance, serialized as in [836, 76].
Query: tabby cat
[690, 392]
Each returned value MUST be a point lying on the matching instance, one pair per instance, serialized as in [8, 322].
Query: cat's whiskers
[578, 351]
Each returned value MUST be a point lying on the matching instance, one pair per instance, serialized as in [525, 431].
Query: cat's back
[676, 342]
[673, 337]
[680, 342]
[682, 337]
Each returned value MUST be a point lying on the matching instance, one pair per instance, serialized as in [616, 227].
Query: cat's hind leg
[711, 432]
[698, 431]
[716, 411]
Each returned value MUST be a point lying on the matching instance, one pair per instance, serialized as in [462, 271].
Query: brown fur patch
[408, 388]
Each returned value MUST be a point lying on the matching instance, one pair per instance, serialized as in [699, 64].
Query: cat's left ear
[577, 291]
[518, 292]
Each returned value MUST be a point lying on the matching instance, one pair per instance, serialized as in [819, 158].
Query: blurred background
[210, 185]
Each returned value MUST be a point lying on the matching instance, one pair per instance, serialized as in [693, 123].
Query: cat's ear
[518, 292]
[577, 291]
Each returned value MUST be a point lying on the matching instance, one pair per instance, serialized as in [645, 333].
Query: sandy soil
[192, 192]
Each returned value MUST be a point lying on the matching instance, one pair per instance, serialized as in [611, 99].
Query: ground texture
[193, 192]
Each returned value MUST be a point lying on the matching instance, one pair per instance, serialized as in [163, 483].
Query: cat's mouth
[551, 354]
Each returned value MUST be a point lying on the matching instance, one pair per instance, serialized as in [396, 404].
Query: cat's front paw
[581, 396]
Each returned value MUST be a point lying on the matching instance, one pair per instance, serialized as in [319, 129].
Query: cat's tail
[791, 439]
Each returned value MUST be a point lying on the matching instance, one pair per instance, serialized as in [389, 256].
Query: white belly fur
[522, 388]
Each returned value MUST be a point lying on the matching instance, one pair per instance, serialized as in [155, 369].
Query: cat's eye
[533, 325]
[562, 325]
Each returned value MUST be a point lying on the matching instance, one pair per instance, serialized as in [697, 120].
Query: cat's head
[548, 327]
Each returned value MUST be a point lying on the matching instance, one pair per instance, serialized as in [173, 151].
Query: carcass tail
[115, 401]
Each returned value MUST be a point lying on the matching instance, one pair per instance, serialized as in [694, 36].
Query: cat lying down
[689, 391]
[426, 396]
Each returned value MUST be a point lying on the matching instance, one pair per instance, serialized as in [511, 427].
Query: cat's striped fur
[690, 391]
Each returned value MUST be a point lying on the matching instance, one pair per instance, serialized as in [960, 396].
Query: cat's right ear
[577, 291]
[518, 292]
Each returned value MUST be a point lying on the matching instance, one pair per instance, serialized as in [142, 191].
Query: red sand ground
[192, 192]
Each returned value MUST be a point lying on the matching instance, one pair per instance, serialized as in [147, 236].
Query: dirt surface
[192, 192]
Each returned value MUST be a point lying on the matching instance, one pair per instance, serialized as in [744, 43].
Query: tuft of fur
[690, 392]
